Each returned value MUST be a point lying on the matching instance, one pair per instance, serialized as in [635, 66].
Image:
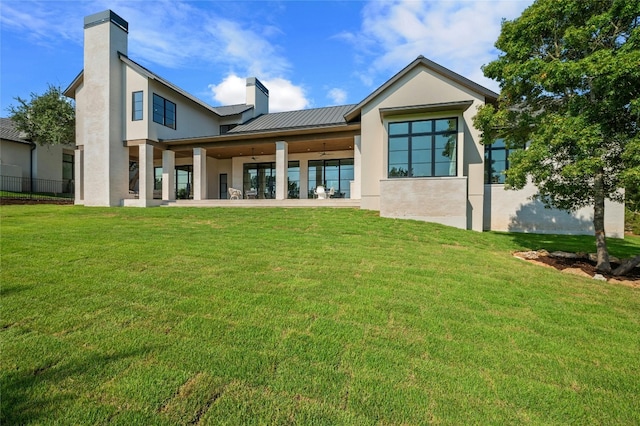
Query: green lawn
[302, 316]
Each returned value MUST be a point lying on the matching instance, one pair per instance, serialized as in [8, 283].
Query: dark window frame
[343, 176]
[432, 135]
[496, 177]
[225, 128]
[68, 159]
[137, 106]
[162, 112]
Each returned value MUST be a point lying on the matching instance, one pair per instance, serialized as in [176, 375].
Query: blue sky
[308, 53]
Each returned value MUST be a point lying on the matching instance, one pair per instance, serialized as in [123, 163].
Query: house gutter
[33, 148]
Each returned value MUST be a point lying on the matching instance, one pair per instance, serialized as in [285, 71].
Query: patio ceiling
[336, 138]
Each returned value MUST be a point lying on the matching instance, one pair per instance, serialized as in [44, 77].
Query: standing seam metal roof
[296, 119]
[227, 110]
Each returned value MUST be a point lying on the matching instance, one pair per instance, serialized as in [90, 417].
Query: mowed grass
[302, 316]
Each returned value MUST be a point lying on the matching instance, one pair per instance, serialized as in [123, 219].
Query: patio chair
[235, 194]
[319, 192]
[331, 192]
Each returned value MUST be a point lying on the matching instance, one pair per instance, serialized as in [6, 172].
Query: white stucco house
[26, 166]
[408, 150]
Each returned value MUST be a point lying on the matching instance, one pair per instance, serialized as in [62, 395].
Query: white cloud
[283, 94]
[231, 91]
[246, 49]
[337, 96]
[39, 23]
[176, 34]
[456, 34]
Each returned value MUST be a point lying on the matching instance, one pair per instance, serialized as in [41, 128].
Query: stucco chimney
[258, 96]
[100, 102]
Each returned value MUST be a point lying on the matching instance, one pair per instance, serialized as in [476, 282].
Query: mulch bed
[581, 266]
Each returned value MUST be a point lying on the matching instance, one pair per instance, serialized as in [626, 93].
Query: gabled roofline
[70, 91]
[421, 60]
[153, 76]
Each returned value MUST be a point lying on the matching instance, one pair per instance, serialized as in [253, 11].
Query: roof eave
[70, 91]
[152, 76]
[265, 134]
[421, 60]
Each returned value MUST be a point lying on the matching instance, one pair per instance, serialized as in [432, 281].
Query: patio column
[356, 184]
[199, 174]
[78, 174]
[145, 168]
[304, 179]
[168, 175]
[282, 163]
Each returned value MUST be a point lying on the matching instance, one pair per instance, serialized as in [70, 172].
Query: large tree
[46, 119]
[569, 74]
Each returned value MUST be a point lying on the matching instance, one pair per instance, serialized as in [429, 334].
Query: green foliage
[302, 316]
[569, 74]
[632, 221]
[47, 119]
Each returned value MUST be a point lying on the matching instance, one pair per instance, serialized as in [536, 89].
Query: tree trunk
[602, 253]
[627, 266]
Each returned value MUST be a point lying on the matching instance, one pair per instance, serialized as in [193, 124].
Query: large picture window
[423, 148]
[164, 111]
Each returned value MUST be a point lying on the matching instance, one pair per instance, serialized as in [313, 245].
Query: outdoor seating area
[321, 194]
[235, 194]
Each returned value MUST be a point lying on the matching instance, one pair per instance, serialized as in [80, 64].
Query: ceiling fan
[253, 157]
[324, 152]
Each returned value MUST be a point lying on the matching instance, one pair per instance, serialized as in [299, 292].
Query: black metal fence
[20, 188]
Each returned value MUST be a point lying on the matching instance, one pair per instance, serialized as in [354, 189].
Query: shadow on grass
[33, 396]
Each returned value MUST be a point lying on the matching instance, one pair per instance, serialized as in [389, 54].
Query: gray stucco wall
[515, 211]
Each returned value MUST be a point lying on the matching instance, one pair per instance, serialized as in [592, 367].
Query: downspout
[33, 148]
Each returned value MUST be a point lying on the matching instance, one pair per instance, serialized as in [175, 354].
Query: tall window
[496, 161]
[336, 174]
[164, 111]
[423, 148]
[293, 179]
[137, 105]
[67, 167]
[157, 178]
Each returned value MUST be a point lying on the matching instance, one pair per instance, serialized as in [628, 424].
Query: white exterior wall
[101, 103]
[15, 159]
[514, 211]
[192, 120]
[421, 86]
[134, 82]
[47, 162]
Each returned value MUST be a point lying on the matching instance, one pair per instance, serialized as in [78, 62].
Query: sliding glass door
[336, 174]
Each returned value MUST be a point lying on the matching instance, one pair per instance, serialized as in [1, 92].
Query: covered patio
[266, 166]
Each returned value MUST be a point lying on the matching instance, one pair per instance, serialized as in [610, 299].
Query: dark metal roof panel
[227, 110]
[316, 117]
[9, 132]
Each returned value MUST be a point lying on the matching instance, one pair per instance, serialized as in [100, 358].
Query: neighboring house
[408, 150]
[22, 161]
